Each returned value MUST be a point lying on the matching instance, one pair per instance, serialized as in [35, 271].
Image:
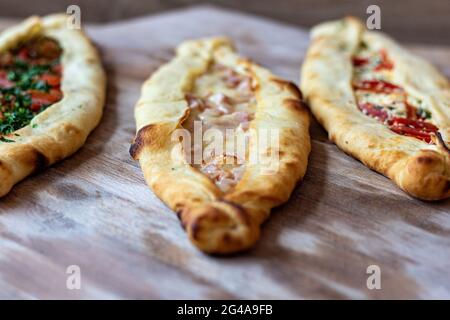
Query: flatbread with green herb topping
[52, 91]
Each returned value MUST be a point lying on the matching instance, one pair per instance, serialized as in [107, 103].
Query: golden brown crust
[216, 221]
[220, 227]
[425, 174]
[62, 128]
[421, 169]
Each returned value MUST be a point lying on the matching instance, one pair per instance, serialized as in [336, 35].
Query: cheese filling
[221, 101]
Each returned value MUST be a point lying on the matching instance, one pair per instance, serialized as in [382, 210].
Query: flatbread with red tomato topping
[52, 91]
[209, 97]
[381, 104]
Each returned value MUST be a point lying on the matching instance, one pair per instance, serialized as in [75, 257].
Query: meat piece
[194, 102]
[224, 170]
[221, 102]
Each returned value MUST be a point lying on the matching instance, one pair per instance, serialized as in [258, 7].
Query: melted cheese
[221, 99]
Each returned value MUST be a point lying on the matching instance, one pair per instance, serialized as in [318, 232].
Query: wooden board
[94, 209]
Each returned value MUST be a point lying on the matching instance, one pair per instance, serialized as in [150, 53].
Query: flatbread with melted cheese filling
[221, 197]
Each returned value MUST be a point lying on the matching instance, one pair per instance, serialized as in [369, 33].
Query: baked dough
[63, 127]
[219, 218]
[420, 168]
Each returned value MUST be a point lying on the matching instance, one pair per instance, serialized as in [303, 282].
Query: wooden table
[95, 211]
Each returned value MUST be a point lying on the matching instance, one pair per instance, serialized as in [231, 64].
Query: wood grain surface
[94, 209]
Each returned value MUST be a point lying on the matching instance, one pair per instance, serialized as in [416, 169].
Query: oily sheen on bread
[63, 127]
[406, 138]
[220, 212]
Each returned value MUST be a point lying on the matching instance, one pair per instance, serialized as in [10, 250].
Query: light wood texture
[94, 209]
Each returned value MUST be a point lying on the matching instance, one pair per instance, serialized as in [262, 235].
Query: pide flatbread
[52, 91]
[223, 197]
[381, 104]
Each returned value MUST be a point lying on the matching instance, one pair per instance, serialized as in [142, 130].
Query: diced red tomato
[411, 132]
[23, 54]
[377, 86]
[40, 98]
[51, 79]
[416, 124]
[57, 68]
[4, 82]
[385, 63]
[358, 61]
[414, 128]
[373, 111]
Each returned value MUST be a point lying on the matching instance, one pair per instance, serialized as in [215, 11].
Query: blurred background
[414, 21]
